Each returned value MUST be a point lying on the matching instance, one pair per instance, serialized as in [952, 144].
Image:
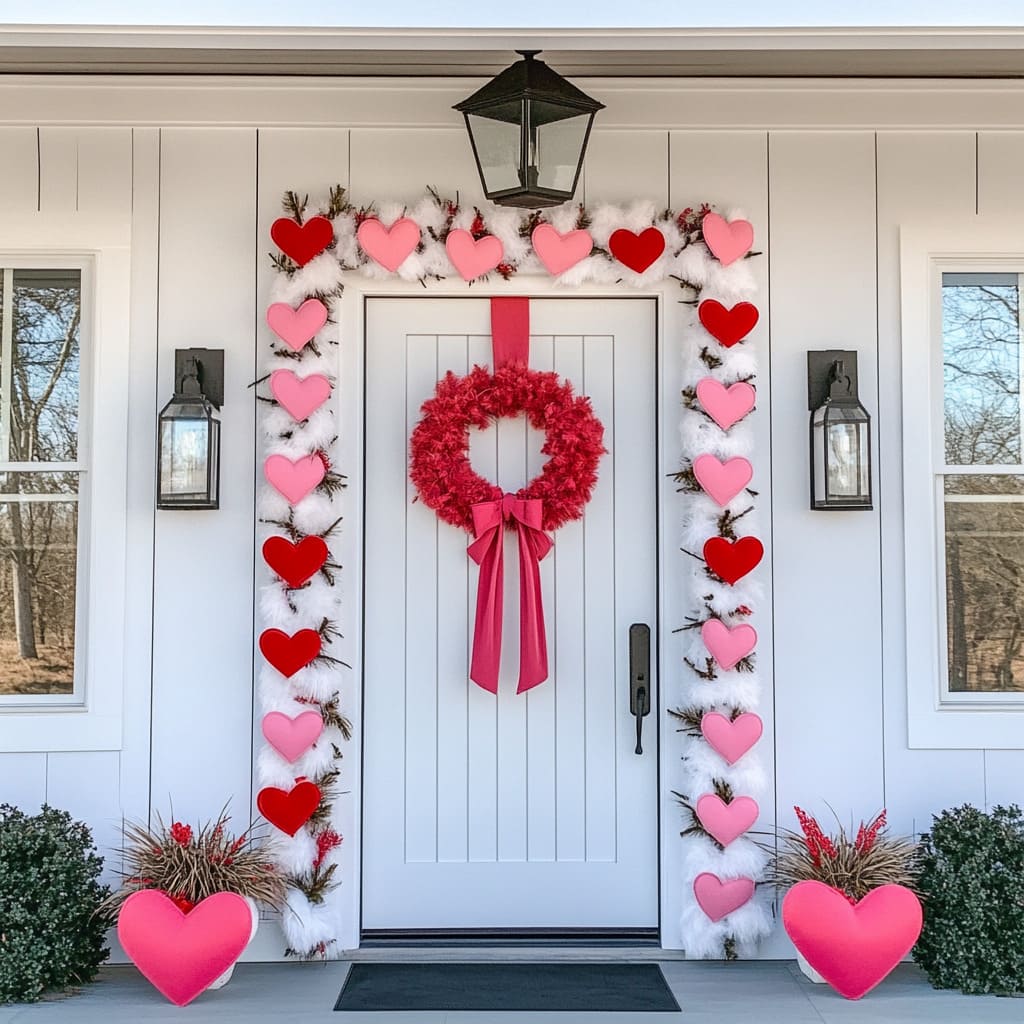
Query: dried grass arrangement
[853, 865]
[190, 864]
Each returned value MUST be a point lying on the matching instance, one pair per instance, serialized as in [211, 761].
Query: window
[982, 486]
[41, 477]
[962, 292]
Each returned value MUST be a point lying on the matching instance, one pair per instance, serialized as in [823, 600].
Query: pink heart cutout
[717, 898]
[728, 646]
[731, 738]
[299, 397]
[389, 247]
[722, 481]
[723, 821]
[294, 479]
[473, 257]
[297, 327]
[292, 737]
[559, 252]
[727, 240]
[853, 947]
[183, 954]
[725, 405]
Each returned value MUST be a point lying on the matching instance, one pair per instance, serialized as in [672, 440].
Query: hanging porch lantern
[529, 129]
[840, 434]
[188, 433]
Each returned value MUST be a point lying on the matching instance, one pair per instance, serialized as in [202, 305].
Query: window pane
[985, 583]
[981, 368]
[44, 354]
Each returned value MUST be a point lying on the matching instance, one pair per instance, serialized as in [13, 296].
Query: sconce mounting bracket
[819, 369]
[211, 371]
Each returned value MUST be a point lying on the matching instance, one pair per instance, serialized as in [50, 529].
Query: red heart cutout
[852, 946]
[183, 954]
[732, 560]
[287, 653]
[289, 810]
[635, 251]
[295, 563]
[302, 241]
[728, 326]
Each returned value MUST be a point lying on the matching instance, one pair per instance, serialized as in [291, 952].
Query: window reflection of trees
[39, 533]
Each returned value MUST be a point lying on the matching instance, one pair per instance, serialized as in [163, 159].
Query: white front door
[527, 811]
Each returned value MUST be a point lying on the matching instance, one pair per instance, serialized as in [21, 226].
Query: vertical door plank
[603, 682]
[421, 640]
[454, 619]
[399, 164]
[570, 657]
[540, 701]
[922, 176]
[87, 785]
[19, 170]
[203, 563]
[826, 580]
[483, 707]
[622, 166]
[730, 171]
[145, 214]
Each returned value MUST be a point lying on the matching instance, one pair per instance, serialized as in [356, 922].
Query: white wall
[826, 203]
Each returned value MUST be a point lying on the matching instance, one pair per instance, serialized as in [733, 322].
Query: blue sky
[520, 14]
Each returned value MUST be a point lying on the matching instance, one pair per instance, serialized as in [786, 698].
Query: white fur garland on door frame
[435, 238]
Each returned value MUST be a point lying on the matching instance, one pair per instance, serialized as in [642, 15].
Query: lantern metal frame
[199, 380]
[832, 385]
[521, 85]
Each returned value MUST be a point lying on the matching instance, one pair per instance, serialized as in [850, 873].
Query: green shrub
[51, 935]
[972, 886]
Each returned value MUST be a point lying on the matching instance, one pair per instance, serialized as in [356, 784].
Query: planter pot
[226, 976]
[807, 970]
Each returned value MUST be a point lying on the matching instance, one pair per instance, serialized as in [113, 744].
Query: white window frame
[937, 718]
[91, 717]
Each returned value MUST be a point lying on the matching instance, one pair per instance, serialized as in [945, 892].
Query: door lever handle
[639, 677]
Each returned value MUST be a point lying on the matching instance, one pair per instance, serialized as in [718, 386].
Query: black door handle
[639, 676]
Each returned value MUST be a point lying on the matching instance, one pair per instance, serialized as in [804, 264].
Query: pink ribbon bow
[487, 551]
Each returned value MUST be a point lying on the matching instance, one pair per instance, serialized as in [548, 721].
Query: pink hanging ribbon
[489, 518]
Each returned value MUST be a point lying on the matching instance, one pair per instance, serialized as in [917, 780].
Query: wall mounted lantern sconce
[188, 432]
[840, 433]
[529, 129]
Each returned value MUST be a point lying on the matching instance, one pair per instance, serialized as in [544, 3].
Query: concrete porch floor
[751, 992]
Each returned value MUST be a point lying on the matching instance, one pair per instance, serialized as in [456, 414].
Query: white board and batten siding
[827, 181]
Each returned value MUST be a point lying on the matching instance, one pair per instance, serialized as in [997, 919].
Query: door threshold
[491, 943]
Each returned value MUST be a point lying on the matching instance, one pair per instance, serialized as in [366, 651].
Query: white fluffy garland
[311, 927]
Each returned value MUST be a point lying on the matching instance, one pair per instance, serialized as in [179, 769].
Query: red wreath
[439, 447]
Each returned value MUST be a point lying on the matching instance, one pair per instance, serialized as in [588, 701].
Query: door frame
[671, 317]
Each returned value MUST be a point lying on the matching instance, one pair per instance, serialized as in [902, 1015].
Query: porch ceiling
[762, 53]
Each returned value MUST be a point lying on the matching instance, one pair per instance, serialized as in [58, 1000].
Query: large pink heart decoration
[725, 405]
[300, 397]
[728, 646]
[390, 247]
[731, 738]
[723, 821]
[852, 946]
[727, 240]
[183, 954]
[297, 327]
[292, 737]
[294, 479]
[722, 481]
[473, 257]
[717, 898]
[559, 252]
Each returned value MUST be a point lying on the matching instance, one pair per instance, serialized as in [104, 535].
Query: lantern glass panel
[842, 462]
[189, 444]
[497, 137]
[557, 138]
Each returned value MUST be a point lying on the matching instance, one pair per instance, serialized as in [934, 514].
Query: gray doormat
[587, 987]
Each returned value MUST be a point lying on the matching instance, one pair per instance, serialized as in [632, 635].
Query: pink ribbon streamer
[510, 330]
[489, 518]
